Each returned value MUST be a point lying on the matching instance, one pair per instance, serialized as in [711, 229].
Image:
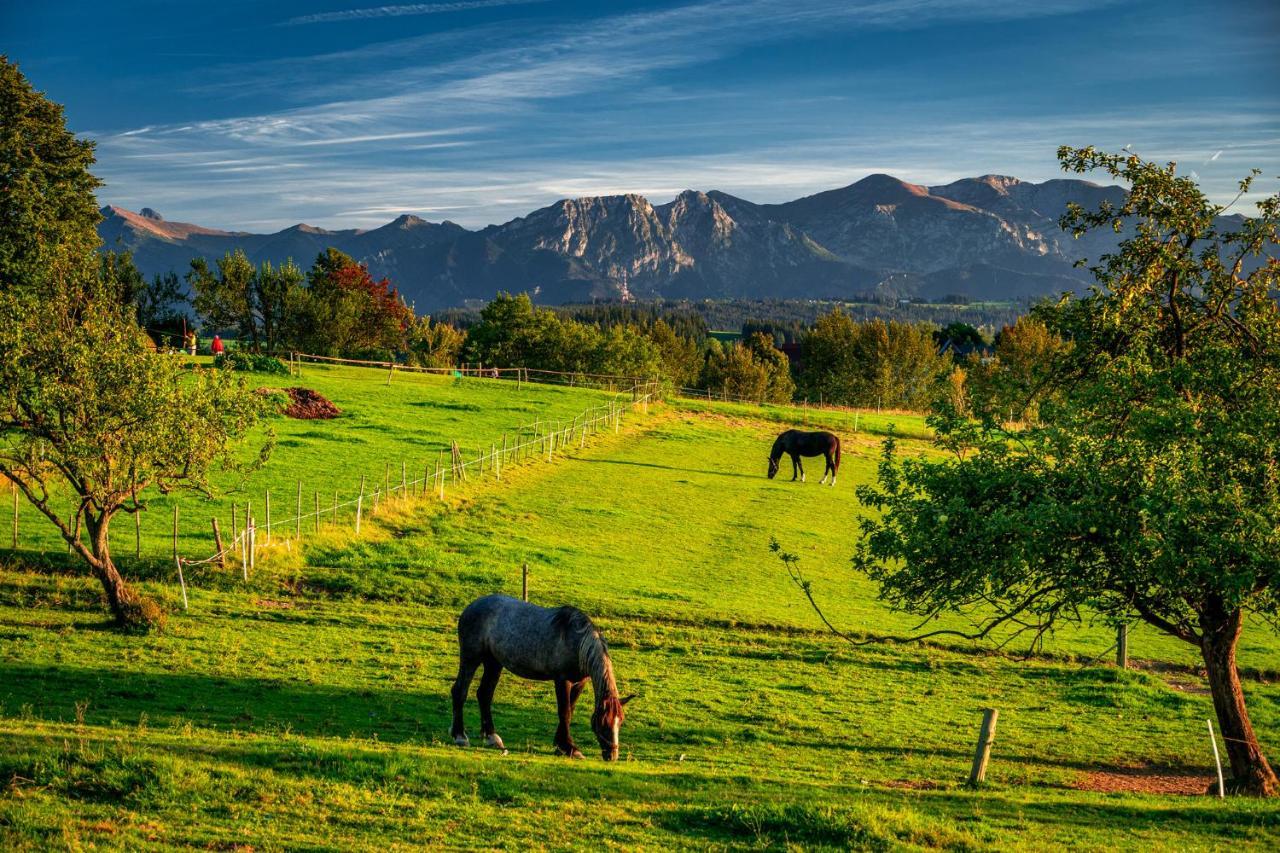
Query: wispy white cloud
[507, 121]
[403, 10]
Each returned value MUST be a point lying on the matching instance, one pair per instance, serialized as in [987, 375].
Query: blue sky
[256, 115]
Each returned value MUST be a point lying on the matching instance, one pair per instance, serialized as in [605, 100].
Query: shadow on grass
[670, 468]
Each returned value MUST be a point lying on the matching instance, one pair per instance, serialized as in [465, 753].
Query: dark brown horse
[796, 444]
[556, 644]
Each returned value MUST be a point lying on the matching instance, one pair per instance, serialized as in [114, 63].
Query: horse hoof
[494, 741]
[571, 752]
[462, 740]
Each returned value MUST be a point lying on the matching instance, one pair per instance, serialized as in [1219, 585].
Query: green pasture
[308, 708]
[408, 422]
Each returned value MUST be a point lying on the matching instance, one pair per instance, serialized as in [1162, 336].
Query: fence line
[546, 437]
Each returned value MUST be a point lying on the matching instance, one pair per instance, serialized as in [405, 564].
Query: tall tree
[1151, 487]
[48, 214]
[87, 409]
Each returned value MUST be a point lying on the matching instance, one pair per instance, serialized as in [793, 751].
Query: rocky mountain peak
[148, 213]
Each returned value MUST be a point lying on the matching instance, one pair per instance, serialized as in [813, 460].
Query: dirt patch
[1149, 779]
[911, 784]
[307, 405]
[280, 605]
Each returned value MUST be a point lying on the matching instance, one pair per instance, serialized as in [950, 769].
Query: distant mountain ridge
[992, 237]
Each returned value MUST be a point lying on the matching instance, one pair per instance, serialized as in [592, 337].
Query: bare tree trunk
[1251, 774]
[130, 610]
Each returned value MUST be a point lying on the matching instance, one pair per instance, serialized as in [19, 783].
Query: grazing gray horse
[544, 644]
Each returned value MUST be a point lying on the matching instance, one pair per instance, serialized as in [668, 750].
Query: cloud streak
[402, 11]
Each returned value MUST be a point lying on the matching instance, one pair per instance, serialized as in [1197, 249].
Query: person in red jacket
[216, 347]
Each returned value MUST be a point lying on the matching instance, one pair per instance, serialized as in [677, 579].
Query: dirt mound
[307, 405]
[1146, 780]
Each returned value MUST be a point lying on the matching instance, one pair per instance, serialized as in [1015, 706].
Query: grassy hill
[308, 708]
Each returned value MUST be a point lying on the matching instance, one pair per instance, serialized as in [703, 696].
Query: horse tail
[837, 453]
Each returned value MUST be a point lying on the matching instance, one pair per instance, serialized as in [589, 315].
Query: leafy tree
[275, 296]
[627, 351]
[345, 311]
[1012, 382]
[1149, 489]
[876, 363]
[779, 386]
[156, 304]
[681, 358]
[227, 299]
[87, 409]
[434, 344]
[734, 372]
[48, 214]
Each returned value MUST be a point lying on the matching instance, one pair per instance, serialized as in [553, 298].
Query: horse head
[773, 466]
[606, 721]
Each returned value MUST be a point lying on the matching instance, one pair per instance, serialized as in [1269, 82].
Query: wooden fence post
[404, 478]
[297, 522]
[217, 543]
[253, 546]
[317, 508]
[335, 507]
[359, 504]
[267, 509]
[182, 581]
[524, 582]
[986, 737]
[1122, 646]
[386, 478]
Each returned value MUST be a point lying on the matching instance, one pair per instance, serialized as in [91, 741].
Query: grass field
[308, 709]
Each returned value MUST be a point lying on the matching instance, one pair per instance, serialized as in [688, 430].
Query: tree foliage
[1150, 488]
[90, 414]
[877, 363]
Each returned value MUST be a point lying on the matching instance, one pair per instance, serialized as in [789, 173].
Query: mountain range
[985, 238]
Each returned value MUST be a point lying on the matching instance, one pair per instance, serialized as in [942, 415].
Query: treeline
[337, 308]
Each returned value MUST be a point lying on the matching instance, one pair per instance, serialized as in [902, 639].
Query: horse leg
[484, 695]
[575, 690]
[799, 466]
[830, 469]
[564, 707]
[466, 670]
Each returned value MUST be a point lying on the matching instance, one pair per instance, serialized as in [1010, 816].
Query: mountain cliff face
[992, 237]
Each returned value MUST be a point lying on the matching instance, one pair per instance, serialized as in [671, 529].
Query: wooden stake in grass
[404, 478]
[359, 504]
[1217, 760]
[986, 737]
[386, 478]
[297, 522]
[334, 519]
[217, 543]
[182, 581]
[1122, 646]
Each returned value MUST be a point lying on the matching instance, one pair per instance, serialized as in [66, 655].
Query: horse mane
[578, 632]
